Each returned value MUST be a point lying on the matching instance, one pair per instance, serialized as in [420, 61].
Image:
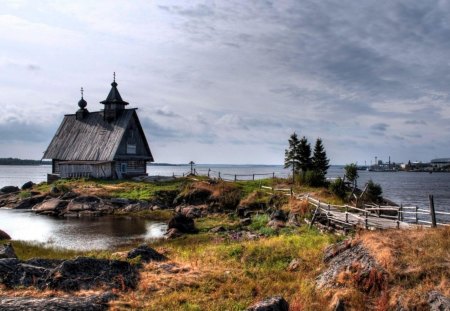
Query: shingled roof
[92, 138]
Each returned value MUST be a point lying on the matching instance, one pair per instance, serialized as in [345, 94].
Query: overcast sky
[229, 81]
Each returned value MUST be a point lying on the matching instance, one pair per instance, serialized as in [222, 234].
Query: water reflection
[78, 233]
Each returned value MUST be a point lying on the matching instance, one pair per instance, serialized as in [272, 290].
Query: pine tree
[291, 156]
[320, 161]
[304, 155]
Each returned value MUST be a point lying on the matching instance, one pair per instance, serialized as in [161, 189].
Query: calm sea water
[402, 187]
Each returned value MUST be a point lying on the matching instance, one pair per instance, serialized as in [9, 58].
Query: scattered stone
[50, 207]
[182, 223]
[9, 189]
[147, 254]
[89, 303]
[218, 229]
[270, 304]
[7, 251]
[69, 275]
[245, 221]
[438, 302]
[27, 185]
[172, 233]
[4, 235]
[294, 265]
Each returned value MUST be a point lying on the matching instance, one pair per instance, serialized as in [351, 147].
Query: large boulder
[182, 223]
[87, 303]
[82, 203]
[88, 273]
[69, 275]
[270, 304]
[9, 189]
[4, 235]
[147, 254]
[7, 251]
[27, 185]
[356, 262]
[50, 207]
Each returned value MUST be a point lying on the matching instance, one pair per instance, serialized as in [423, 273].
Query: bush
[337, 187]
[374, 192]
[314, 179]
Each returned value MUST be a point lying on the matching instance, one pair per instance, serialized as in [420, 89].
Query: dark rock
[270, 304]
[182, 224]
[14, 273]
[27, 185]
[121, 202]
[147, 254]
[172, 234]
[29, 202]
[68, 275]
[278, 215]
[339, 306]
[54, 190]
[218, 229]
[75, 303]
[9, 200]
[7, 251]
[69, 195]
[9, 189]
[52, 206]
[245, 221]
[4, 235]
[438, 302]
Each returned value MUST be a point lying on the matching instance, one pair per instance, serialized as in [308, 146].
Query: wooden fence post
[235, 177]
[366, 222]
[273, 175]
[219, 175]
[400, 212]
[292, 192]
[209, 170]
[253, 176]
[328, 214]
[346, 213]
[432, 212]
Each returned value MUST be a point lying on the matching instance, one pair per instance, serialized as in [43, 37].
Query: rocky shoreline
[351, 264]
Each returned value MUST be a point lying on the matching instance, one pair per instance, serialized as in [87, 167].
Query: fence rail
[371, 215]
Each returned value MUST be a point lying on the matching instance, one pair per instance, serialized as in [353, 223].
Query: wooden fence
[370, 216]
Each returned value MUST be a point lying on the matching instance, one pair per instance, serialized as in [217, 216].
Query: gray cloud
[380, 127]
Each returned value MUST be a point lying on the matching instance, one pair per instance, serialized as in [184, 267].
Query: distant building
[102, 144]
[440, 162]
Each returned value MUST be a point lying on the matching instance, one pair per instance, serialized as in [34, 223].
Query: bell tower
[114, 104]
